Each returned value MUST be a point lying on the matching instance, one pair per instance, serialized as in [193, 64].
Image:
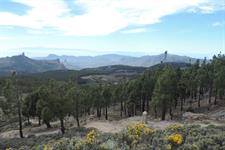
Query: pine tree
[76, 96]
[13, 96]
[45, 105]
[164, 93]
[107, 97]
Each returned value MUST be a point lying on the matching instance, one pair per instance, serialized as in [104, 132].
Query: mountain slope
[23, 65]
[81, 62]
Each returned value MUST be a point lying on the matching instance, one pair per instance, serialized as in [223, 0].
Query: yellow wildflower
[137, 131]
[91, 137]
[176, 139]
[148, 131]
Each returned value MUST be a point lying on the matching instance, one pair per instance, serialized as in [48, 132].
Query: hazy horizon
[77, 53]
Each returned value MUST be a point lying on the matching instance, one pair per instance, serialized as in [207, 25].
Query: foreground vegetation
[137, 137]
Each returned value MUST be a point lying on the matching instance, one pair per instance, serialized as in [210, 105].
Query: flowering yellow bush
[139, 129]
[136, 131]
[148, 131]
[91, 137]
[8, 149]
[176, 139]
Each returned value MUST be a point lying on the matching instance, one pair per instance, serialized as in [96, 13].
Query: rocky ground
[215, 117]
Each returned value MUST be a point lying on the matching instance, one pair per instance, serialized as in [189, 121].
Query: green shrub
[192, 137]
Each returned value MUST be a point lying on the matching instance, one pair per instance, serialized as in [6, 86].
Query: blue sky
[132, 27]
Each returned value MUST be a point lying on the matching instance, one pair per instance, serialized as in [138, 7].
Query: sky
[130, 27]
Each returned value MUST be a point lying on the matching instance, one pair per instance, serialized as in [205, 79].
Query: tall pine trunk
[171, 113]
[20, 120]
[62, 126]
[19, 111]
[163, 117]
[28, 120]
[163, 114]
[106, 113]
[125, 109]
[147, 105]
[77, 115]
[215, 101]
[175, 105]
[39, 120]
[181, 104]
[143, 104]
[210, 94]
[121, 108]
[195, 94]
[89, 111]
[155, 112]
[99, 112]
[135, 110]
[78, 121]
[199, 97]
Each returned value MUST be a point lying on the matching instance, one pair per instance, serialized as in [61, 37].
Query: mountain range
[24, 65]
[81, 62]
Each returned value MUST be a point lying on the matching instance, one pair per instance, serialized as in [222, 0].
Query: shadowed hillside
[23, 65]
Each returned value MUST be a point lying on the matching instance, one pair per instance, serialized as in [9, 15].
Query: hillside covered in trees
[165, 92]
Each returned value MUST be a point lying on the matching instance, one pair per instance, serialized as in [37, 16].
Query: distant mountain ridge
[81, 62]
[24, 65]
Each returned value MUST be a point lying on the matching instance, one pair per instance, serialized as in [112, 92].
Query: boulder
[144, 117]
[91, 117]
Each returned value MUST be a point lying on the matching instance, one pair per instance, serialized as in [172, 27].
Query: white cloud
[2, 38]
[39, 32]
[208, 7]
[218, 24]
[136, 30]
[101, 17]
